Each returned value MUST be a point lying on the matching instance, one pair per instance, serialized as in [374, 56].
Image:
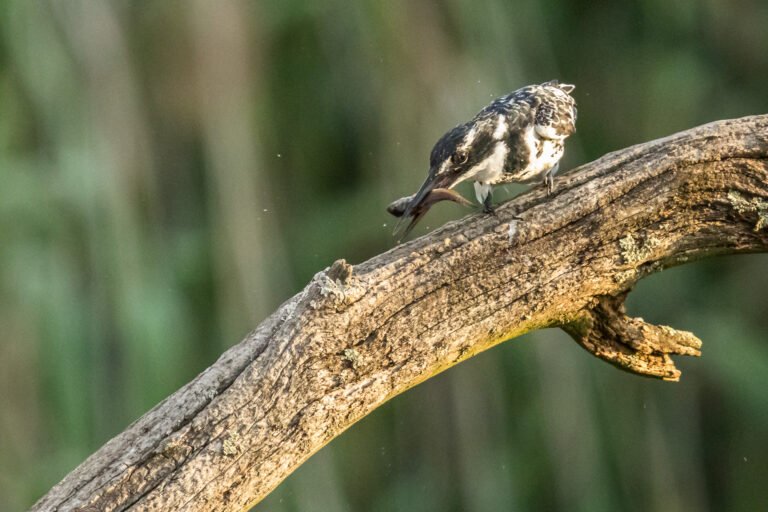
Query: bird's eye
[460, 157]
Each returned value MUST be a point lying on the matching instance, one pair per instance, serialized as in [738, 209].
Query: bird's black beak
[444, 180]
[421, 202]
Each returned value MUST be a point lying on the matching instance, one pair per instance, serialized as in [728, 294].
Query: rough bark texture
[357, 336]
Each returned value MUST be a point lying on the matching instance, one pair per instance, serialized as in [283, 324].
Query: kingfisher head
[460, 154]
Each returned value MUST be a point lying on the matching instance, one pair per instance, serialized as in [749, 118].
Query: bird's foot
[549, 184]
[488, 206]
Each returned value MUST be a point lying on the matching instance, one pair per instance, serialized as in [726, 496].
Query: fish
[398, 207]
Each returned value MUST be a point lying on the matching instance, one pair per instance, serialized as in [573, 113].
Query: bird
[517, 138]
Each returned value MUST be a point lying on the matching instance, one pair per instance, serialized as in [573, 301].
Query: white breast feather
[490, 169]
[548, 132]
[501, 127]
[531, 139]
[545, 153]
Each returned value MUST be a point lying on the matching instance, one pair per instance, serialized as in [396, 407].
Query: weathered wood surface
[358, 335]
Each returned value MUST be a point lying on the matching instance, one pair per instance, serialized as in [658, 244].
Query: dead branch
[357, 336]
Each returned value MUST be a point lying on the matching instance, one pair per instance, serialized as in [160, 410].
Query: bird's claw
[488, 206]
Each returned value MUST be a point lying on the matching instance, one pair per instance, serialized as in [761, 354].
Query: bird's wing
[519, 114]
[519, 106]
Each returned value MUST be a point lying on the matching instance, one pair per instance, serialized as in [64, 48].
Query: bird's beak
[433, 190]
[433, 182]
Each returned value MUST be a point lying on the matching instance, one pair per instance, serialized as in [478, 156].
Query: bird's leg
[483, 192]
[549, 183]
[549, 180]
[488, 204]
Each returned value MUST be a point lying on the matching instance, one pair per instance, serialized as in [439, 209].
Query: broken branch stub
[630, 343]
[357, 336]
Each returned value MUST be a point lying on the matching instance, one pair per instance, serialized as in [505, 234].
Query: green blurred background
[170, 172]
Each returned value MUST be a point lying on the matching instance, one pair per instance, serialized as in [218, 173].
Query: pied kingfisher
[518, 138]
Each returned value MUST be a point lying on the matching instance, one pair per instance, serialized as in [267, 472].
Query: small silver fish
[399, 206]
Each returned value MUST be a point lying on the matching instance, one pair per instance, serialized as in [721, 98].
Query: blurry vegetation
[170, 172]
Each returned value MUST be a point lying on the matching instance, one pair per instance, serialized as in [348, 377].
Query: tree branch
[630, 343]
[357, 336]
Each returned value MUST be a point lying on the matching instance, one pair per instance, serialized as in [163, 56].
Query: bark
[357, 336]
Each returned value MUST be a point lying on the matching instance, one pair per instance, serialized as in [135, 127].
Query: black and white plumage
[518, 138]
